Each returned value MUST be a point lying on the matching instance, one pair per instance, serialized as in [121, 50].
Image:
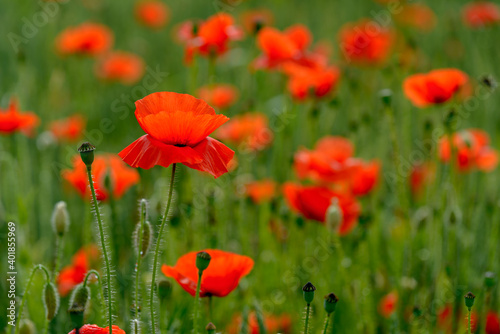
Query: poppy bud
[60, 219]
[489, 81]
[330, 303]
[146, 238]
[490, 279]
[50, 300]
[469, 300]
[334, 215]
[164, 289]
[308, 291]
[202, 260]
[78, 304]
[210, 328]
[26, 326]
[386, 96]
[87, 153]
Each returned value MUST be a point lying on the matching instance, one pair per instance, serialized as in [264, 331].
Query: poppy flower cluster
[220, 278]
[272, 323]
[261, 191]
[69, 129]
[121, 66]
[249, 131]
[88, 39]
[111, 177]
[479, 14]
[220, 96]
[94, 329]
[13, 120]
[388, 304]
[74, 274]
[472, 150]
[152, 13]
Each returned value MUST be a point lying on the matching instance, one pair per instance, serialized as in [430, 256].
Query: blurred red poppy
[272, 323]
[313, 201]
[74, 274]
[121, 66]
[479, 14]
[177, 127]
[417, 15]
[444, 317]
[249, 131]
[254, 20]
[387, 305]
[13, 120]
[68, 129]
[472, 150]
[311, 81]
[366, 42]
[364, 176]
[420, 176]
[435, 87]
[219, 279]
[121, 177]
[94, 329]
[261, 191]
[87, 39]
[220, 96]
[152, 13]
[492, 323]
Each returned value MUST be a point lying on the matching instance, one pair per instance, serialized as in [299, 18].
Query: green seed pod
[308, 291]
[334, 215]
[202, 260]
[60, 219]
[78, 304]
[386, 96]
[330, 303]
[50, 300]
[145, 244]
[469, 300]
[490, 279]
[210, 328]
[87, 153]
[26, 326]
[164, 289]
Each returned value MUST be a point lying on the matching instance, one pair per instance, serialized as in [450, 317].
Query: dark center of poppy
[180, 145]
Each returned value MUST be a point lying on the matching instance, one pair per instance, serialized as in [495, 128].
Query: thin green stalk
[306, 324]
[96, 274]
[326, 323]
[104, 251]
[197, 303]
[469, 330]
[157, 251]
[57, 253]
[138, 264]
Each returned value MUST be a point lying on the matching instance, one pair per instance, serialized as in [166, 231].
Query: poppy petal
[215, 157]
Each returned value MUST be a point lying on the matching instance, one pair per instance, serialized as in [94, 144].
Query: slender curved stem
[326, 323]
[138, 264]
[469, 330]
[157, 251]
[197, 303]
[104, 250]
[57, 256]
[306, 325]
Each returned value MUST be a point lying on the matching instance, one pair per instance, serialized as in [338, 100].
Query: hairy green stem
[306, 324]
[326, 323]
[197, 303]
[138, 264]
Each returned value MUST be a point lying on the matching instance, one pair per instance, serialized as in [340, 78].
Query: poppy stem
[469, 329]
[197, 302]
[306, 324]
[104, 250]
[326, 323]
[157, 251]
[139, 261]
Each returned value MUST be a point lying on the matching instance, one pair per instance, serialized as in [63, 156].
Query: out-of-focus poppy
[69, 129]
[366, 42]
[272, 323]
[249, 131]
[94, 329]
[472, 150]
[364, 176]
[87, 39]
[420, 176]
[313, 201]
[220, 278]
[480, 14]
[254, 20]
[74, 274]
[492, 323]
[177, 127]
[152, 13]
[261, 191]
[220, 96]
[444, 317]
[121, 66]
[435, 87]
[417, 15]
[13, 120]
[387, 305]
[121, 177]
[306, 81]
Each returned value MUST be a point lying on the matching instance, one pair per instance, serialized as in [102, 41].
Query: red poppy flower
[74, 274]
[249, 131]
[94, 329]
[177, 127]
[261, 191]
[220, 96]
[435, 87]
[219, 279]
[13, 120]
[364, 176]
[492, 323]
[121, 176]
[152, 13]
[366, 42]
[311, 81]
[444, 317]
[254, 20]
[69, 129]
[472, 150]
[272, 323]
[387, 305]
[87, 39]
[121, 66]
[417, 16]
[479, 14]
[313, 201]
[420, 176]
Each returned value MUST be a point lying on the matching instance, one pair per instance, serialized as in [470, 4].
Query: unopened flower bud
[202, 260]
[50, 300]
[490, 279]
[210, 328]
[144, 244]
[26, 326]
[330, 303]
[469, 300]
[385, 96]
[87, 153]
[489, 81]
[78, 304]
[60, 219]
[164, 289]
[308, 291]
[334, 215]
